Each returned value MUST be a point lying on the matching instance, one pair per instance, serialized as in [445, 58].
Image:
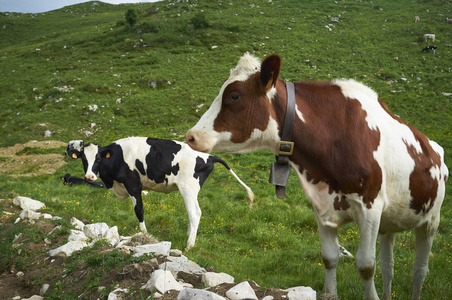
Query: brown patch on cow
[423, 186]
[246, 103]
[341, 203]
[335, 144]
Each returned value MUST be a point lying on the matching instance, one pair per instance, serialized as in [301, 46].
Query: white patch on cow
[76, 145]
[366, 96]
[299, 114]
[247, 66]
[90, 154]
[131, 151]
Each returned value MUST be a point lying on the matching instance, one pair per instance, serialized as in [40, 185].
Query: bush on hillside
[131, 16]
[199, 21]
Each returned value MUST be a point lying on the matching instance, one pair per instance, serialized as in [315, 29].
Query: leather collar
[280, 169]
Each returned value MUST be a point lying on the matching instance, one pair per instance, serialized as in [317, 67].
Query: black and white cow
[133, 164]
[430, 48]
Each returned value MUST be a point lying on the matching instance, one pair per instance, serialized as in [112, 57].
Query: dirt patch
[30, 164]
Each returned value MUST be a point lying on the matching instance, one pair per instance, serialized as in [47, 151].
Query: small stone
[162, 281]
[192, 294]
[241, 291]
[211, 279]
[44, 289]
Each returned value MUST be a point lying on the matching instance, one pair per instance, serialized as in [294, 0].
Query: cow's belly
[120, 190]
[158, 187]
[398, 216]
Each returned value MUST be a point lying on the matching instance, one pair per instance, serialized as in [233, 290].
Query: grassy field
[63, 70]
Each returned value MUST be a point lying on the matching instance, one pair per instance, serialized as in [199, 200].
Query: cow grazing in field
[429, 36]
[429, 48]
[133, 164]
[355, 160]
[72, 180]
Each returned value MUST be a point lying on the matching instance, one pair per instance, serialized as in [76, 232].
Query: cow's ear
[106, 153]
[73, 153]
[270, 71]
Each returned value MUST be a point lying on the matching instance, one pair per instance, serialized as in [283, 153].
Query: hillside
[81, 73]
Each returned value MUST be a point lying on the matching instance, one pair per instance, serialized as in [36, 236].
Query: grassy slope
[276, 244]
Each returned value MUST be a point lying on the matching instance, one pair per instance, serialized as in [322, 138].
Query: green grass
[276, 244]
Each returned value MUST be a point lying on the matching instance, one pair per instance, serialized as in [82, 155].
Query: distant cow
[133, 164]
[416, 19]
[429, 36]
[355, 160]
[429, 48]
[448, 21]
[70, 180]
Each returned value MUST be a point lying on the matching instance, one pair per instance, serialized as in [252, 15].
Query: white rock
[35, 297]
[268, 298]
[17, 298]
[47, 216]
[44, 289]
[28, 203]
[112, 235]
[114, 295]
[192, 294]
[162, 248]
[20, 274]
[301, 293]
[56, 228]
[77, 223]
[95, 231]
[68, 248]
[77, 235]
[162, 281]
[211, 279]
[29, 214]
[181, 264]
[241, 291]
[16, 237]
[175, 253]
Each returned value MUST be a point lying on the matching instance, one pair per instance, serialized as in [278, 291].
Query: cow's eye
[235, 96]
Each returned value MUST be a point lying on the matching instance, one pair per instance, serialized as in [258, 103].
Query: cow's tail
[248, 190]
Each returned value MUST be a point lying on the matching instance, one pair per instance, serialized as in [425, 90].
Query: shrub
[120, 23]
[131, 16]
[199, 21]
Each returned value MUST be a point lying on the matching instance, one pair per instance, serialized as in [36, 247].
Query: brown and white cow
[355, 160]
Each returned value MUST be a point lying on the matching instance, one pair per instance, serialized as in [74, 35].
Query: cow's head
[241, 118]
[90, 154]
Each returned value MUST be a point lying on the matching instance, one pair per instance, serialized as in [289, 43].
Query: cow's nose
[190, 140]
[90, 177]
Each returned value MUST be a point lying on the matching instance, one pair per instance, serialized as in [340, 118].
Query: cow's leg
[424, 240]
[134, 188]
[190, 194]
[330, 256]
[368, 223]
[387, 262]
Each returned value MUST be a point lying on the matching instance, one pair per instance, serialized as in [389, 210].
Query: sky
[39, 6]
